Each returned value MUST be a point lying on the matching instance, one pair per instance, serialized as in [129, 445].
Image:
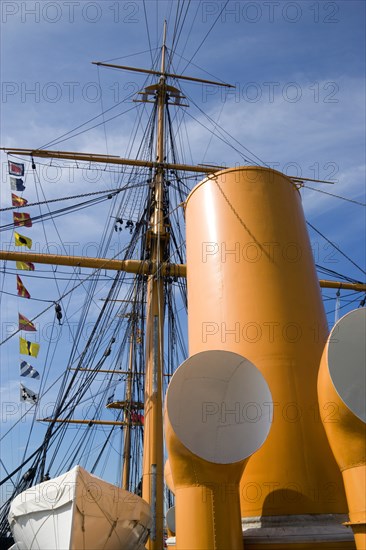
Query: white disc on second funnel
[219, 406]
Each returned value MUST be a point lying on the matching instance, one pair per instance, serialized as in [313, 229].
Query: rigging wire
[67, 275]
[59, 140]
[223, 131]
[206, 35]
[219, 137]
[148, 33]
[57, 213]
[200, 68]
[178, 34]
[333, 195]
[175, 26]
[129, 55]
[336, 247]
[328, 271]
[48, 201]
[189, 32]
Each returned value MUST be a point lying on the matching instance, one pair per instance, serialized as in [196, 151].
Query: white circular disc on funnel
[219, 406]
[170, 519]
[347, 361]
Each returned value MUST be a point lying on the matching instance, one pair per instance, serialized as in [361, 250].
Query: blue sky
[299, 104]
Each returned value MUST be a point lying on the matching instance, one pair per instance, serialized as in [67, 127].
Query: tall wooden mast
[152, 480]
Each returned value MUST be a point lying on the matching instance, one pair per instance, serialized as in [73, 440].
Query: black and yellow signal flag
[20, 240]
[28, 348]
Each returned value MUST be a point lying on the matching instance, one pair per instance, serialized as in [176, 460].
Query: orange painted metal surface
[207, 511]
[253, 290]
[346, 432]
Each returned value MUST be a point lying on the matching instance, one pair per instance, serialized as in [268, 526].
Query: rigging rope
[56, 213]
[336, 247]
[148, 33]
[206, 35]
[49, 201]
[333, 195]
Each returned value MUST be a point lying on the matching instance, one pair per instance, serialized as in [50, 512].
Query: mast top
[162, 72]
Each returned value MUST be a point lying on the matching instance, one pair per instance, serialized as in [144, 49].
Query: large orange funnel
[253, 290]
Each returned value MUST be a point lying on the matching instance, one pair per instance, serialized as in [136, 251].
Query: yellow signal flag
[20, 240]
[28, 348]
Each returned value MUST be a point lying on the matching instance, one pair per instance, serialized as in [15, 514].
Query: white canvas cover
[79, 511]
